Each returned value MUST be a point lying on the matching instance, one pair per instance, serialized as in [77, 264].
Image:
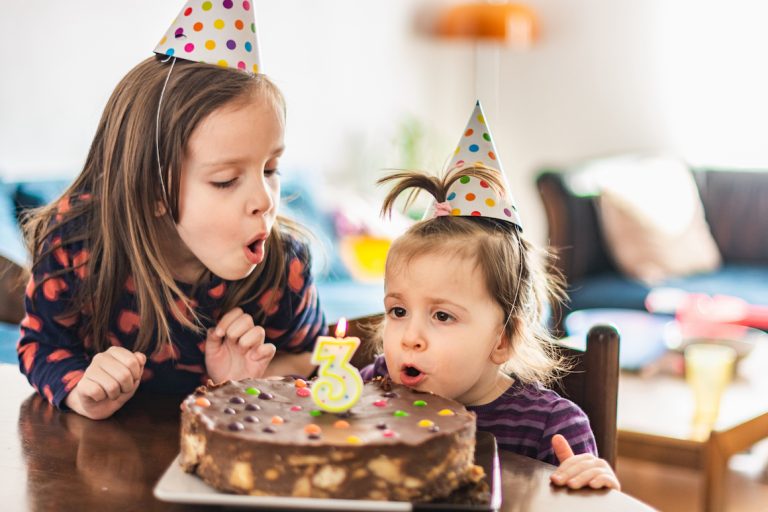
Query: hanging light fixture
[503, 22]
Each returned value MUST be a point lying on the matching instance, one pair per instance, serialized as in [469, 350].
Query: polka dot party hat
[219, 32]
[470, 196]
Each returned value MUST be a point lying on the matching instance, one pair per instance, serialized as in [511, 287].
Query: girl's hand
[235, 348]
[109, 381]
[577, 471]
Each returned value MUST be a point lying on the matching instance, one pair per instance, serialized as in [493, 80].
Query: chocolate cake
[266, 437]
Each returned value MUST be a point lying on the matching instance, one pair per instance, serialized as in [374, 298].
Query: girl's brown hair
[112, 205]
[512, 266]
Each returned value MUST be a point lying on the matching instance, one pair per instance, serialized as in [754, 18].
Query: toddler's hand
[235, 348]
[577, 471]
[109, 381]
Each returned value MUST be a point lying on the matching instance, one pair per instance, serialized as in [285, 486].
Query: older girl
[165, 263]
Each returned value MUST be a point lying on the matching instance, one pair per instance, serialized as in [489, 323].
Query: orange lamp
[504, 22]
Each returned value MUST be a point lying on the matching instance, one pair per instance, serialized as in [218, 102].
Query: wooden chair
[592, 384]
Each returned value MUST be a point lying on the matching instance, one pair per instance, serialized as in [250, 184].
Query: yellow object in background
[365, 256]
[708, 371]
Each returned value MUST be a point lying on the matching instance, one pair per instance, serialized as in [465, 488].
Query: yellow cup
[708, 371]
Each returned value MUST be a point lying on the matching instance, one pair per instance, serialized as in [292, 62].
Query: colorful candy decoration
[471, 197]
[241, 415]
[339, 385]
[214, 31]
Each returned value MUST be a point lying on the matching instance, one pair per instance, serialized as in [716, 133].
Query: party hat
[470, 196]
[219, 32]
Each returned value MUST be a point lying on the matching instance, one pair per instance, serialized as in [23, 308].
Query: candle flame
[341, 327]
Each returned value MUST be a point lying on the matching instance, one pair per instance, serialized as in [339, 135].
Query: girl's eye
[271, 172]
[224, 184]
[442, 316]
[397, 312]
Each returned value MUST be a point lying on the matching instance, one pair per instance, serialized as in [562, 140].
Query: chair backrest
[593, 383]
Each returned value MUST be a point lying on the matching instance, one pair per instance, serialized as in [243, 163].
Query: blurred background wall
[368, 87]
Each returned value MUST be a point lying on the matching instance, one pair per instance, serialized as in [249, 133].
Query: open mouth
[254, 252]
[411, 375]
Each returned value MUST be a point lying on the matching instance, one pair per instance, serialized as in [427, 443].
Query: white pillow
[653, 220]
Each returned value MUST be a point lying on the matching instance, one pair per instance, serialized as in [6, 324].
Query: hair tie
[442, 209]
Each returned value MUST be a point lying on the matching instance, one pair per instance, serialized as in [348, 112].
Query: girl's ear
[502, 350]
[160, 209]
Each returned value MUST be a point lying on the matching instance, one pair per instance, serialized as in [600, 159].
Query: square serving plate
[178, 486]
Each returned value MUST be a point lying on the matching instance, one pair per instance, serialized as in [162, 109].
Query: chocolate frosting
[274, 411]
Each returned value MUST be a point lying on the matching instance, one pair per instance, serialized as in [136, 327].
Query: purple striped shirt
[524, 419]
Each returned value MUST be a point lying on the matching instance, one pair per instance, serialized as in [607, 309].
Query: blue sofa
[340, 294]
[736, 208]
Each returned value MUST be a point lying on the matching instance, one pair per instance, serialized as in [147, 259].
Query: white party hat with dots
[219, 32]
[470, 196]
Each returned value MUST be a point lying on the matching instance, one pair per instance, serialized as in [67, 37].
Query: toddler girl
[464, 298]
[165, 263]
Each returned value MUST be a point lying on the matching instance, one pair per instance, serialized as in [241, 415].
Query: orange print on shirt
[166, 352]
[80, 262]
[183, 310]
[62, 208]
[113, 340]
[59, 253]
[295, 275]
[27, 353]
[32, 322]
[130, 285]
[58, 355]
[53, 287]
[30, 287]
[47, 392]
[128, 321]
[217, 292]
[270, 301]
[70, 379]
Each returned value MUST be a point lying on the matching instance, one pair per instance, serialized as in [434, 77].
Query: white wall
[606, 76]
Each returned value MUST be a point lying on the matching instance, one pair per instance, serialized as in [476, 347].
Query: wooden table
[61, 461]
[655, 423]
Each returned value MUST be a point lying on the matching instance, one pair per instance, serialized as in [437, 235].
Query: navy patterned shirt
[54, 351]
[524, 418]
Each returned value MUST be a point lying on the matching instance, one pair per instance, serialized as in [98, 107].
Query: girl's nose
[413, 338]
[261, 200]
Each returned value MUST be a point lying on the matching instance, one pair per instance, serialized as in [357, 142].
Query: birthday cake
[267, 437]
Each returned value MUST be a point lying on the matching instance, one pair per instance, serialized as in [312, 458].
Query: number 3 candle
[338, 385]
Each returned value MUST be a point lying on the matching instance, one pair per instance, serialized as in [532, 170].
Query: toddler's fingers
[226, 320]
[239, 327]
[584, 478]
[572, 467]
[252, 338]
[561, 447]
[608, 481]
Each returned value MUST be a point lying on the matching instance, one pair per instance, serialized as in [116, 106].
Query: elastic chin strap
[517, 288]
[157, 135]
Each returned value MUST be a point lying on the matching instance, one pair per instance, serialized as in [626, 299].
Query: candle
[338, 385]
